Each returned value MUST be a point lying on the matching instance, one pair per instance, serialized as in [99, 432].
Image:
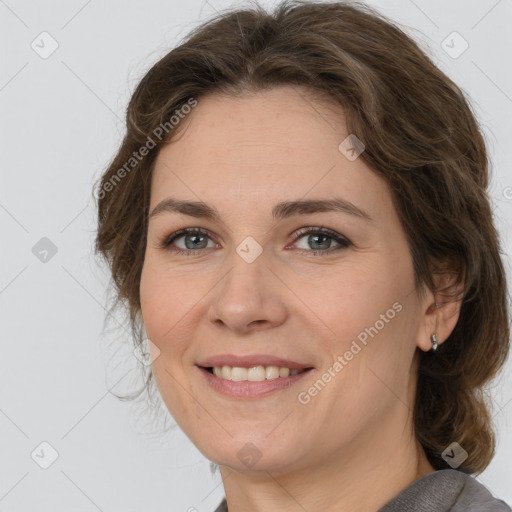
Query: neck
[364, 477]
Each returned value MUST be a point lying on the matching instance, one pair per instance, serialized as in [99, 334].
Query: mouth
[253, 382]
[254, 373]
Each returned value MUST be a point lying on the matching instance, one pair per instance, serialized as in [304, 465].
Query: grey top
[446, 490]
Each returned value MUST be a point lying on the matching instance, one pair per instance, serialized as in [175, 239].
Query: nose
[248, 297]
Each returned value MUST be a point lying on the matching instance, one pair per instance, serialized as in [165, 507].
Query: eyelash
[343, 242]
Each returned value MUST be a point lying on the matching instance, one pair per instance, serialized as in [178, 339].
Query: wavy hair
[421, 136]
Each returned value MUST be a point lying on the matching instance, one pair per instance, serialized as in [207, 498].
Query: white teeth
[256, 374]
[253, 374]
[272, 372]
[226, 372]
[238, 374]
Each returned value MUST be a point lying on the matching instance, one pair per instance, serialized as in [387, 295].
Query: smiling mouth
[254, 373]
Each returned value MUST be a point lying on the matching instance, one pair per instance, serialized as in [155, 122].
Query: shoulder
[446, 490]
[223, 507]
[476, 497]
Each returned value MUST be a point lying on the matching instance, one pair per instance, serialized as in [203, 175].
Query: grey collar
[446, 490]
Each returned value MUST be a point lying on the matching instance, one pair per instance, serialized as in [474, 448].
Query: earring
[434, 342]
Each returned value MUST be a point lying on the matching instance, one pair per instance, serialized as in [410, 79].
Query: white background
[61, 122]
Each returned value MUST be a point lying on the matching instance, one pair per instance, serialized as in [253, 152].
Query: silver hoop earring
[434, 343]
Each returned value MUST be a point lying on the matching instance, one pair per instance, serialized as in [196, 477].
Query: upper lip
[248, 361]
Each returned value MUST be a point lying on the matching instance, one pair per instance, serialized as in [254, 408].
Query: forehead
[267, 146]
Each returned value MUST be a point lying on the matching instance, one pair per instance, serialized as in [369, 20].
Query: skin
[352, 447]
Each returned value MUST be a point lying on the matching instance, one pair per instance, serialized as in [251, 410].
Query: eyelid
[342, 241]
[168, 239]
[320, 230]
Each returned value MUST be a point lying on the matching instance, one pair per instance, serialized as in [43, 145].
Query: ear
[441, 310]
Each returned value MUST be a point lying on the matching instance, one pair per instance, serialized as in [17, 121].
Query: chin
[255, 454]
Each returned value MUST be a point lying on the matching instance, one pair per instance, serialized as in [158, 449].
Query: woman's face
[259, 282]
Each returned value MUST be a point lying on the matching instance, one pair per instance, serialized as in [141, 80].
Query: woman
[297, 219]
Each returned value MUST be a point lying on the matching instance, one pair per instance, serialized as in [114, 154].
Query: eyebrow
[280, 211]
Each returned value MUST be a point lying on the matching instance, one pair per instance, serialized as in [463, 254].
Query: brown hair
[420, 136]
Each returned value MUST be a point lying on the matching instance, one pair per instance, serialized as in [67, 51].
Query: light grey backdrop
[61, 120]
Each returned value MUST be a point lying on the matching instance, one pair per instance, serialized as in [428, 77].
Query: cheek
[362, 301]
[372, 313]
[168, 301]
[165, 307]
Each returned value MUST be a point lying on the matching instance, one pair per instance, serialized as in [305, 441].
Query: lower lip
[248, 389]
